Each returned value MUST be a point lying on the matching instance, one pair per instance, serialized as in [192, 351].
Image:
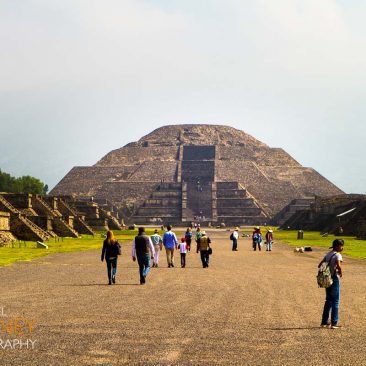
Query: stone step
[228, 193]
[234, 211]
[162, 202]
[235, 202]
[227, 185]
[142, 211]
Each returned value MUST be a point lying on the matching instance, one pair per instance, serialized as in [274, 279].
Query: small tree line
[24, 184]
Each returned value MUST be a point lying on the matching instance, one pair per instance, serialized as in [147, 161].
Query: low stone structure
[182, 172]
[38, 218]
[289, 210]
[5, 234]
[340, 215]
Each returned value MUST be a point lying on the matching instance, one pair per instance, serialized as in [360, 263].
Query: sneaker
[114, 279]
[172, 265]
[110, 282]
[335, 326]
[325, 325]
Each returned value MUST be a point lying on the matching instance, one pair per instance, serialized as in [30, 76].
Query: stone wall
[150, 171]
[4, 221]
[138, 155]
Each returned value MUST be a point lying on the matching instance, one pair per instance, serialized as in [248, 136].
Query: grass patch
[352, 247]
[26, 251]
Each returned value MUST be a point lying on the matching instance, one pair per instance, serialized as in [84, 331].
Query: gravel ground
[247, 308]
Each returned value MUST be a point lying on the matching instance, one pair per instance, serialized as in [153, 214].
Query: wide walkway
[248, 308]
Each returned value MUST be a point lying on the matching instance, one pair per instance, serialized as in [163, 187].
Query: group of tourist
[146, 247]
[257, 239]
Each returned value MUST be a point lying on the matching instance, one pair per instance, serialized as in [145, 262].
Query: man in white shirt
[234, 238]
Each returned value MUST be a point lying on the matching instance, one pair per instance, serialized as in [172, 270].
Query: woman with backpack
[332, 293]
[111, 250]
[257, 238]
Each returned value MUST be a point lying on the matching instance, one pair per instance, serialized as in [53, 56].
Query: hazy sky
[79, 78]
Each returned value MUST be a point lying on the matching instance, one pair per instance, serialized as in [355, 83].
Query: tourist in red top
[269, 240]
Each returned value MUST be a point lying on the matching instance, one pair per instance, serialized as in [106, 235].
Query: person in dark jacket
[111, 250]
[142, 246]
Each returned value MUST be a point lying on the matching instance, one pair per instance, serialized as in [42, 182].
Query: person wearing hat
[203, 245]
[157, 241]
[141, 248]
[332, 293]
[269, 240]
[234, 237]
[257, 238]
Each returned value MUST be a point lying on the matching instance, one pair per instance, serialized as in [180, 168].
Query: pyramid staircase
[60, 226]
[163, 206]
[113, 223]
[79, 223]
[236, 206]
[20, 225]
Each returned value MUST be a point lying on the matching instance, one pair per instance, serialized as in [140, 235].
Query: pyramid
[212, 173]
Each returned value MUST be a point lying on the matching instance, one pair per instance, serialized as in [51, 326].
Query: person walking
[111, 250]
[142, 246]
[203, 246]
[234, 237]
[188, 237]
[183, 252]
[170, 243]
[332, 293]
[198, 234]
[257, 238]
[158, 246]
[269, 240]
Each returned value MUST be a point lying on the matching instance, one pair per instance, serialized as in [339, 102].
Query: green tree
[6, 182]
[24, 184]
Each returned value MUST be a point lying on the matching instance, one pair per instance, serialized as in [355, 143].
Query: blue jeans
[144, 265]
[205, 258]
[111, 267]
[332, 302]
[268, 245]
[235, 244]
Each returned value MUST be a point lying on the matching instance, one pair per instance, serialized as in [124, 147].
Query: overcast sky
[79, 78]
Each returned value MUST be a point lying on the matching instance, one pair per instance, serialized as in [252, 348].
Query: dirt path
[248, 308]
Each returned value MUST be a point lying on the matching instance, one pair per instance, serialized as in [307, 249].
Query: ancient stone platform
[212, 172]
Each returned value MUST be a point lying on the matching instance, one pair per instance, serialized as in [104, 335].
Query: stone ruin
[340, 215]
[39, 218]
[180, 173]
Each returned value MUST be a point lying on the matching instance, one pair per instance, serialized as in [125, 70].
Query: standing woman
[332, 293]
[111, 250]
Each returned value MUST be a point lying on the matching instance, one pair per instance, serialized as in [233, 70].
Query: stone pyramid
[211, 173]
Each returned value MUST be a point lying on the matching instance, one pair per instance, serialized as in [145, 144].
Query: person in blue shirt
[170, 243]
